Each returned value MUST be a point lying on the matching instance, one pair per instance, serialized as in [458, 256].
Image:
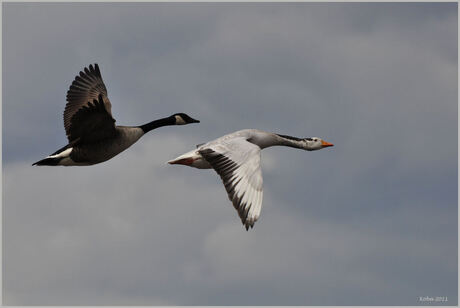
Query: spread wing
[92, 122]
[237, 161]
[87, 89]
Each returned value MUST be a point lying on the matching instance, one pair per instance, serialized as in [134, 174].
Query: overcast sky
[371, 221]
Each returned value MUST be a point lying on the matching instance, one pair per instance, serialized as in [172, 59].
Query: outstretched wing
[92, 122]
[85, 89]
[237, 161]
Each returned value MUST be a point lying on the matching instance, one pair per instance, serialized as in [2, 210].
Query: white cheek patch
[179, 120]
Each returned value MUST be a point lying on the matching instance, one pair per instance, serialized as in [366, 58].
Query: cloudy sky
[371, 221]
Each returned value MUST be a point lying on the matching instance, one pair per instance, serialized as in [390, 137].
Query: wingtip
[91, 68]
[249, 224]
[98, 71]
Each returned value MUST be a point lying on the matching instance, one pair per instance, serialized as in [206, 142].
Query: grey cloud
[363, 223]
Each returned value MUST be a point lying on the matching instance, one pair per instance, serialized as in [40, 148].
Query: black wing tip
[81, 79]
[94, 68]
[90, 69]
[98, 72]
[49, 161]
[247, 225]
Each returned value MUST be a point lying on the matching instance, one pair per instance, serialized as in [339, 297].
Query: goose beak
[326, 144]
[194, 121]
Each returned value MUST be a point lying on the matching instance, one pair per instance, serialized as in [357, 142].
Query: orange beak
[326, 144]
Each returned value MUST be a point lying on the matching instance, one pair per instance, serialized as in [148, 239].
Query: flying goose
[236, 158]
[90, 127]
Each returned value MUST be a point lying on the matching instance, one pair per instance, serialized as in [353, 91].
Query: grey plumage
[225, 167]
[236, 158]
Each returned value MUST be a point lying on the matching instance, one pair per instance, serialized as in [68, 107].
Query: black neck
[158, 123]
[290, 137]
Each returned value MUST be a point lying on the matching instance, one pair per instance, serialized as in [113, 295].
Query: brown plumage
[84, 90]
[90, 128]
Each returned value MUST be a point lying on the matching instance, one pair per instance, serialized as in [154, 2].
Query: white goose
[90, 127]
[236, 158]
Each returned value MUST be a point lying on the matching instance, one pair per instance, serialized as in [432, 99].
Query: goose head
[182, 119]
[315, 143]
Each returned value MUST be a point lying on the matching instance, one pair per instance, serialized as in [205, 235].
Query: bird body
[236, 158]
[258, 137]
[86, 154]
[90, 128]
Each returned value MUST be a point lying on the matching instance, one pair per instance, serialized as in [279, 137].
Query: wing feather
[87, 87]
[94, 123]
[237, 161]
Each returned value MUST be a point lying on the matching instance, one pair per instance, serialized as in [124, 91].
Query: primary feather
[236, 158]
[90, 128]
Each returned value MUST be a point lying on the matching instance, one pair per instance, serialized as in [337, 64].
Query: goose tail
[191, 159]
[49, 161]
[55, 158]
[185, 159]
[181, 161]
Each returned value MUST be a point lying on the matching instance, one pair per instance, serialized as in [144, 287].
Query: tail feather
[184, 161]
[55, 158]
[49, 161]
